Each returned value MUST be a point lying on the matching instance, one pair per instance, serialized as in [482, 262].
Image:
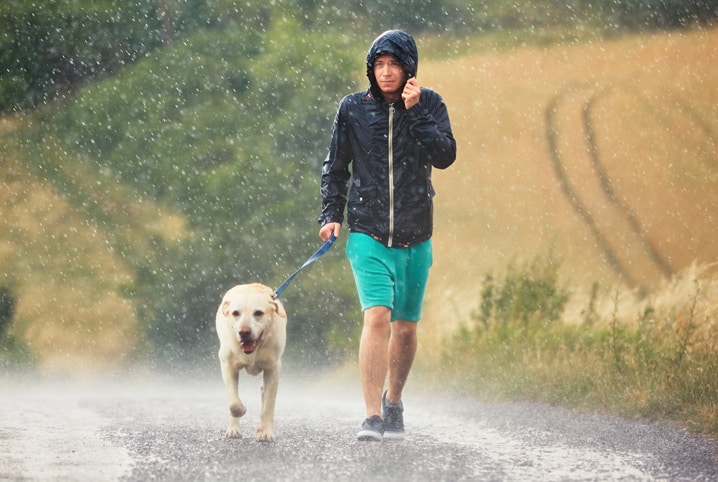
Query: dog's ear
[225, 308]
[279, 309]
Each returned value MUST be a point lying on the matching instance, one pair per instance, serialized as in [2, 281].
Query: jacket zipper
[391, 175]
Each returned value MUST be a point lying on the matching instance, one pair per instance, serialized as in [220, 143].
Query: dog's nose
[245, 332]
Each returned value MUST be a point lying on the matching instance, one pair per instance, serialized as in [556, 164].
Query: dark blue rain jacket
[387, 151]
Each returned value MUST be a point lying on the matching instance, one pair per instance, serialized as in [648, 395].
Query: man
[391, 136]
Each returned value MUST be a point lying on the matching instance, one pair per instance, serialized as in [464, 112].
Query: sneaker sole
[394, 435]
[369, 436]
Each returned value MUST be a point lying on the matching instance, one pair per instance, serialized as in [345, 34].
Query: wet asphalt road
[152, 428]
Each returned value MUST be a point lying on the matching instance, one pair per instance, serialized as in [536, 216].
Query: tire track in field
[663, 264]
[624, 242]
[583, 212]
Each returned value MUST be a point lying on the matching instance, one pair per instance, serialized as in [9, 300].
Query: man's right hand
[328, 229]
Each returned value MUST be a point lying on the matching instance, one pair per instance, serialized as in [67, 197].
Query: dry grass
[652, 357]
[73, 314]
[651, 103]
[63, 270]
[605, 155]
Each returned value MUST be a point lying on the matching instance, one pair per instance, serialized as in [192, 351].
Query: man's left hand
[410, 95]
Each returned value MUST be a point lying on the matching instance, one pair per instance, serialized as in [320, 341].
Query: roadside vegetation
[154, 153]
[613, 350]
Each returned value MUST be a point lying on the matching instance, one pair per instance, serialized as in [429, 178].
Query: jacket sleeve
[335, 170]
[430, 127]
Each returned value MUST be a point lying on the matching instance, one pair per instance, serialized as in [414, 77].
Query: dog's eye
[258, 314]
[235, 313]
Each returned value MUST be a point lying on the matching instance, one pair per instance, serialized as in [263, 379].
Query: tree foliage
[51, 47]
[229, 126]
[47, 47]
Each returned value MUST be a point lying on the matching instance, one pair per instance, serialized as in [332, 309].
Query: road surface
[143, 427]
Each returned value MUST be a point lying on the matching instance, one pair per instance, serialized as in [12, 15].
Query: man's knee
[377, 318]
[403, 329]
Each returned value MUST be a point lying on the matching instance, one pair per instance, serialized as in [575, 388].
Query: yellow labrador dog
[252, 331]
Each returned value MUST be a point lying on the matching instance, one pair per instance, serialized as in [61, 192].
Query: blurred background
[157, 152]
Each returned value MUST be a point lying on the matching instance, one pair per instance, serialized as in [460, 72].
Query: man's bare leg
[402, 348]
[374, 356]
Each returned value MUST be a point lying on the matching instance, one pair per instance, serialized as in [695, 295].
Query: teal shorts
[391, 277]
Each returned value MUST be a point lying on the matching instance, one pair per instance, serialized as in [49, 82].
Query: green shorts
[391, 277]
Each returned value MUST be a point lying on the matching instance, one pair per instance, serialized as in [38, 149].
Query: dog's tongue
[248, 346]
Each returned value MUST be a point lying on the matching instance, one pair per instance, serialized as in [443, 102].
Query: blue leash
[320, 252]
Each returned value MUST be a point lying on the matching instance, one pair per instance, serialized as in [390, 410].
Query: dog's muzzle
[247, 343]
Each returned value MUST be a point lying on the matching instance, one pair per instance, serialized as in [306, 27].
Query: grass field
[599, 162]
[603, 153]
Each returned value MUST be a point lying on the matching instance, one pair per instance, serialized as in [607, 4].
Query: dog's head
[251, 311]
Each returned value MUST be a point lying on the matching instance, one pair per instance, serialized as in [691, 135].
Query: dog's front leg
[230, 374]
[270, 383]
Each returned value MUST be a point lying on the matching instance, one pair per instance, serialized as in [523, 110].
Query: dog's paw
[237, 409]
[265, 435]
[233, 431]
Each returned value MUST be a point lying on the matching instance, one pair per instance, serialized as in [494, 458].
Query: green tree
[230, 126]
[50, 47]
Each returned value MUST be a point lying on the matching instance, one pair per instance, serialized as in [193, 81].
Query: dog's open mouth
[248, 346]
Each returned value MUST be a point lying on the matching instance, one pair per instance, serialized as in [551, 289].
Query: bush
[528, 294]
[659, 364]
[7, 309]
[13, 351]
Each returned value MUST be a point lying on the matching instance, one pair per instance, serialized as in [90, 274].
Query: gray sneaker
[372, 430]
[393, 419]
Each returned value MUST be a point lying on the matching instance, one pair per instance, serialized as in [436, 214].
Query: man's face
[389, 75]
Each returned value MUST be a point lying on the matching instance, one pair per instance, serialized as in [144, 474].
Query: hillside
[604, 154]
[62, 267]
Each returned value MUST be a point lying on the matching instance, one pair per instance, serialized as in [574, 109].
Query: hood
[397, 43]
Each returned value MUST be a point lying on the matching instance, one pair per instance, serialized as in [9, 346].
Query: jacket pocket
[365, 205]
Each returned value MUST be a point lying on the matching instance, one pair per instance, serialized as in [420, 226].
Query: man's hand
[328, 229]
[410, 95]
